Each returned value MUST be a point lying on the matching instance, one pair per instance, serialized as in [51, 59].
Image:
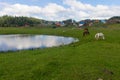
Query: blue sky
[103, 2]
[33, 2]
[45, 2]
[61, 9]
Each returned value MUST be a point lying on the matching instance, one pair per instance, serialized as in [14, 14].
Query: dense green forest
[10, 21]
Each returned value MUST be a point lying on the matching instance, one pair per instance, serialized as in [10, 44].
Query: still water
[21, 42]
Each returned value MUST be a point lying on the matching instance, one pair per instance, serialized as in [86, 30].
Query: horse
[86, 32]
[99, 36]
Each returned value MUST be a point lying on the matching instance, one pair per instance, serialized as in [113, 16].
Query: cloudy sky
[61, 9]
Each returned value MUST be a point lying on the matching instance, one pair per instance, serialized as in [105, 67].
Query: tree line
[21, 21]
[10, 21]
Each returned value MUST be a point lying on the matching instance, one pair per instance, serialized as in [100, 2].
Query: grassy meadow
[88, 59]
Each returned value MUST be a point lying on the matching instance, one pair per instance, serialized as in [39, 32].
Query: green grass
[84, 60]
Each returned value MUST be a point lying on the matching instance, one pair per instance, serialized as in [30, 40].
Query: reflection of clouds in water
[18, 42]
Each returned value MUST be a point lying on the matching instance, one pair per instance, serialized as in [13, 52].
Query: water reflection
[20, 42]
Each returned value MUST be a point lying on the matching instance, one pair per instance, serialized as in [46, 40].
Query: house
[103, 21]
[81, 23]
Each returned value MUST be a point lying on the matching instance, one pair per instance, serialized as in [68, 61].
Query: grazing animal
[99, 36]
[86, 32]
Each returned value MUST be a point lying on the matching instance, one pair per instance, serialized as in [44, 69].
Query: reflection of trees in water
[25, 41]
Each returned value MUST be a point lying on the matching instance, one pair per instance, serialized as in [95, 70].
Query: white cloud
[52, 11]
[20, 10]
[88, 11]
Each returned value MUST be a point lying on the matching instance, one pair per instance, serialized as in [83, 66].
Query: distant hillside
[115, 19]
[10, 21]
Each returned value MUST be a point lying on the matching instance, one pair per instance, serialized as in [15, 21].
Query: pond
[22, 42]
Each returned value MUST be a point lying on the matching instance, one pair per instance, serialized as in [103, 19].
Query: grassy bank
[87, 59]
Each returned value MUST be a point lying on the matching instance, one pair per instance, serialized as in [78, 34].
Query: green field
[88, 59]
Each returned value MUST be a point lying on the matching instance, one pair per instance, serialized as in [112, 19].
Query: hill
[10, 21]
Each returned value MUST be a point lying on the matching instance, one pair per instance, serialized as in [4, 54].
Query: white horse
[99, 36]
